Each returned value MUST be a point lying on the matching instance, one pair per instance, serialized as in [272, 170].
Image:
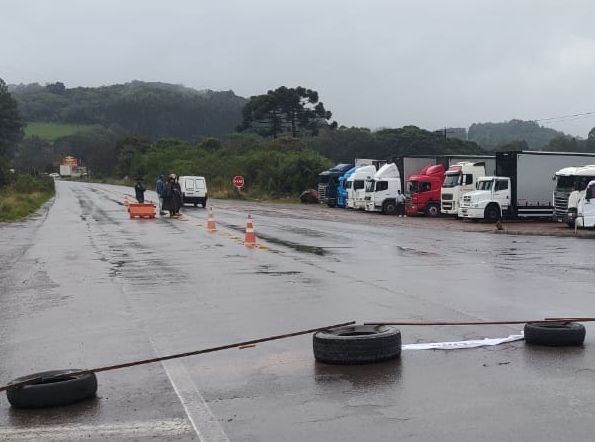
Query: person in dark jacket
[159, 188]
[178, 195]
[139, 190]
[170, 199]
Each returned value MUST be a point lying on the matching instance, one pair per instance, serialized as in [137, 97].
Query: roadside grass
[24, 196]
[254, 195]
[214, 191]
[53, 131]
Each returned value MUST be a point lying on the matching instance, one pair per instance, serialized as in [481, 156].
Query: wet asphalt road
[83, 286]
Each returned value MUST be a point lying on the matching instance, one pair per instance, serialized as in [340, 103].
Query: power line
[567, 117]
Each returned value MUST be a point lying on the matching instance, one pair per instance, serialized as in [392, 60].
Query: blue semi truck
[342, 188]
[328, 183]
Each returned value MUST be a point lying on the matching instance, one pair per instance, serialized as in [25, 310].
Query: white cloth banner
[462, 344]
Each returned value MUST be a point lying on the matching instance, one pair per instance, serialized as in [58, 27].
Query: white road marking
[204, 422]
[121, 430]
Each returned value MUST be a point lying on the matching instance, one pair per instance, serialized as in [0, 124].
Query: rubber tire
[339, 345]
[492, 214]
[55, 392]
[556, 334]
[195, 204]
[389, 208]
[204, 204]
[436, 210]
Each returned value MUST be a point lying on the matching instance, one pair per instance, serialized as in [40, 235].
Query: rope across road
[246, 344]
[253, 342]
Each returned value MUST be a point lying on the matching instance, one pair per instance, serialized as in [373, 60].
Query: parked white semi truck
[571, 183]
[521, 188]
[586, 207]
[356, 187]
[382, 189]
[459, 179]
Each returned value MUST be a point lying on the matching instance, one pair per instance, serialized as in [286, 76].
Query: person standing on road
[170, 200]
[159, 188]
[177, 195]
[139, 190]
[400, 204]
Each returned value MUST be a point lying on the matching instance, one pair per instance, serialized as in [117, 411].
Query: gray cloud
[433, 63]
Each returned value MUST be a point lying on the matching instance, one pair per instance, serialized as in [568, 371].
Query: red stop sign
[238, 181]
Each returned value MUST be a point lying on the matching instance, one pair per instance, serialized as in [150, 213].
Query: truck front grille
[322, 196]
[561, 203]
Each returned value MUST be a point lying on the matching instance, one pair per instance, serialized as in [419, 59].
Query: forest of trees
[494, 135]
[143, 129]
[152, 110]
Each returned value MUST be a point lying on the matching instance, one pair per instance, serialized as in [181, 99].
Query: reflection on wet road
[82, 285]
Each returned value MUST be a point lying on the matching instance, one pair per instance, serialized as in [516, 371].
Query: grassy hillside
[53, 131]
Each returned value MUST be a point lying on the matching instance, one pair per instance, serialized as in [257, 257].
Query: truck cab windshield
[452, 180]
[412, 186]
[484, 185]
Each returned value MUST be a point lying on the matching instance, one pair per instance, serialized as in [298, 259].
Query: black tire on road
[52, 389]
[357, 344]
[195, 204]
[556, 334]
[433, 210]
[492, 213]
[389, 208]
[204, 204]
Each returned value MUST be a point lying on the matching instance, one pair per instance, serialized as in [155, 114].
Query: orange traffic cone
[250, 238]
[211, 227]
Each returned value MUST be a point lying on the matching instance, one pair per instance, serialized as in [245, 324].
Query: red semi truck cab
[423, 191]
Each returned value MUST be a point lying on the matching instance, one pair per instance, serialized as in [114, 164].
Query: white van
[194, 190]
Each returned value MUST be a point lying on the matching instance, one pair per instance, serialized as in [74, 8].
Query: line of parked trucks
[518, 184]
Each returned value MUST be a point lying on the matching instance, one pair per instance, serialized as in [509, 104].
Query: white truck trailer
[521, 188]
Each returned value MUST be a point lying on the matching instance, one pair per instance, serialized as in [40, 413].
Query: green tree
[294, 110]
[11, 123]
[35, 155]
[11, 129]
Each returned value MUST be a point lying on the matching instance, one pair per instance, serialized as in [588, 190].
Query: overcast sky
[375, 63]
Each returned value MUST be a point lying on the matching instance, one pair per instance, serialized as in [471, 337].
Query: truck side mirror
[476, 185]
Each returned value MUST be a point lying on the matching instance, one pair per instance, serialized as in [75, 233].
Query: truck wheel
[204, 204]
[195, 204]
[433, 210]
[492, 213]
[554, 333]
[389, 208]
[52, 389]
[331, 203]
[357, 344]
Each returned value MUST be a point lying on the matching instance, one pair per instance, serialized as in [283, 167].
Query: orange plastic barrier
[141, 210]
